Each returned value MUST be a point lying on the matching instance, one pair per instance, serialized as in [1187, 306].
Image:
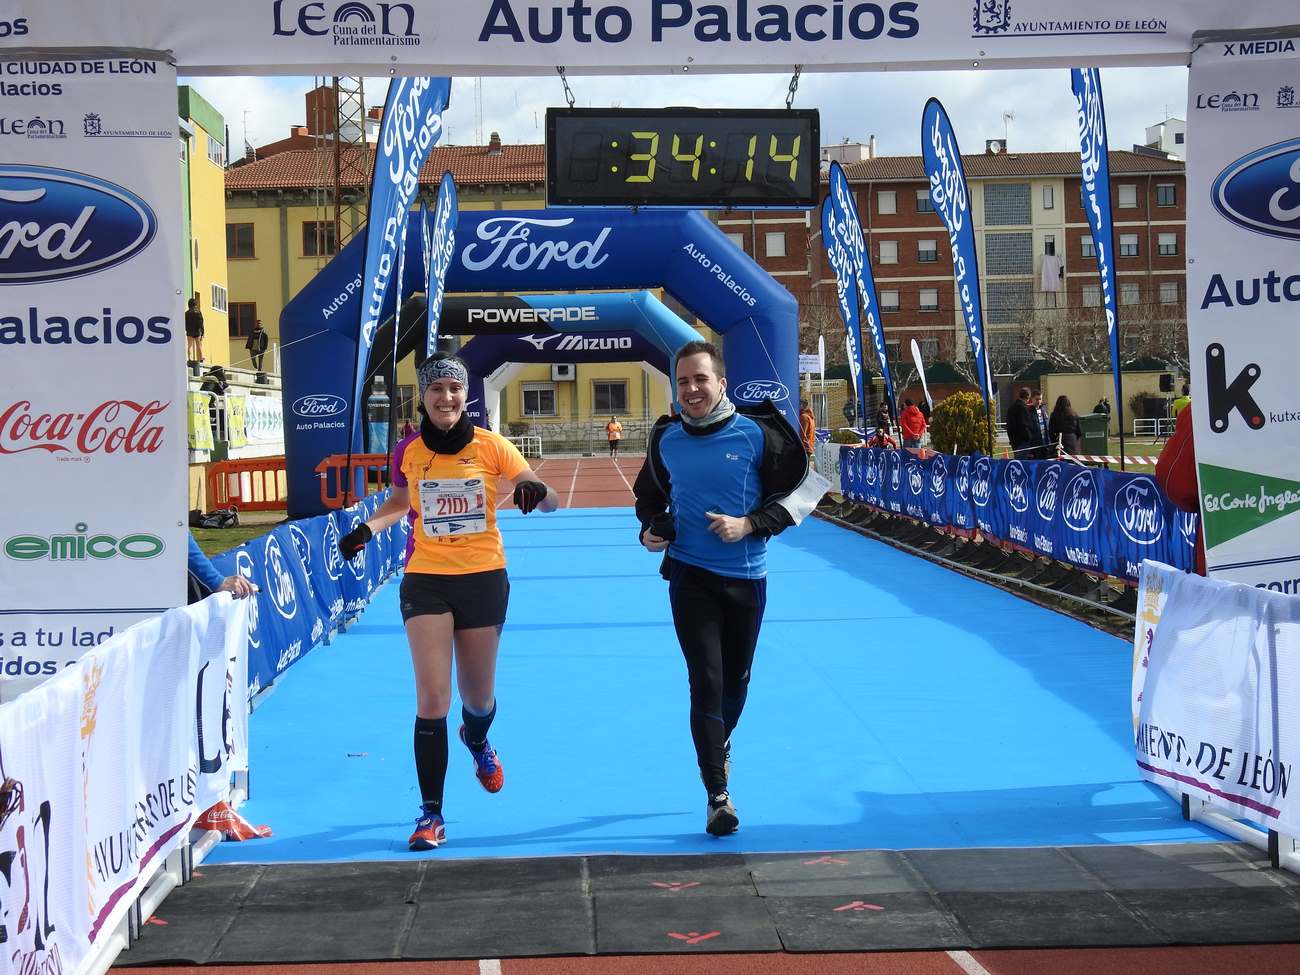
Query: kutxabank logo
[1260, 192]
[57, 224]
[1222, 397]
[352, 24]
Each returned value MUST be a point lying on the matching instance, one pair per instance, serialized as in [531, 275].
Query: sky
[853, 106]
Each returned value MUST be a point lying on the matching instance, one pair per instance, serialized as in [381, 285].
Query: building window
[887, 201]
[217, 152]
[1049, 197]
[1128, 195]
[929, 299]
[239, 241]
[1007, 205]
[608, 397]
[242, 316]
[1168, 246]
[1049, 244]
[1166, 194]
[889, 301]
[1009, 301]
[927, 251]
[539, 399]
[1086, 246]
[218, 298]
[889, 252]
[737, 239]
[1130, 293]
[1128, 245]
[774, 244]
[1168, 292]
[1009, 253]
[1179, 138]
[923, 204]
[1092, 296]
[318, 239]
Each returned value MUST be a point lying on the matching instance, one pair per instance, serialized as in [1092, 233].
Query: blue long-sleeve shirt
[201, 567]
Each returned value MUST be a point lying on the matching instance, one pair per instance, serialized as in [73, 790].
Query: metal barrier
[332, 480]
[1162, 426]
[528, 446]
[255, 484]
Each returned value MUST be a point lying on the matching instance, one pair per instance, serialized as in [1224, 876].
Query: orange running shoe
[430, 832]
[487, 765]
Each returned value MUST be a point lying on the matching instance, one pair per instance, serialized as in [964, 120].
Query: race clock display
[682, 157]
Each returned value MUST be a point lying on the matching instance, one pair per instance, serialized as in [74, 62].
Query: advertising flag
[837, 254]
[951, 200]
[439, 252]
[920, 368]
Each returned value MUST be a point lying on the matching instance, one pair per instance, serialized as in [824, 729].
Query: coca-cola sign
[115, 426]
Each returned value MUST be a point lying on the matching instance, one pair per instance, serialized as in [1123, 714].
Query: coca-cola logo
[319, 404]
[116, 426]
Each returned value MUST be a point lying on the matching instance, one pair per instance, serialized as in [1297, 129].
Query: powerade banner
[1103, 521]
[1243, 296]
[514, 37]
[1094, 157]
[411, 127]
[846, 293]
[438, 254]
[951, 200]
[849, 229]
[306, 588]
[93, 406]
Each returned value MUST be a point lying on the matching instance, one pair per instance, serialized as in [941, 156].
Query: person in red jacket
[807, 428]
[912, 422]
[1176, 475]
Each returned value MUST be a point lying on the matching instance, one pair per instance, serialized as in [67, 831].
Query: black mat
[808, 902]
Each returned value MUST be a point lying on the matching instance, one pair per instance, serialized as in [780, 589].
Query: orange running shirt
[453, 502]
[614, 430]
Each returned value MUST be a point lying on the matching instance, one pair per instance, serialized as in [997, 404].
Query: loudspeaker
[1166, 382]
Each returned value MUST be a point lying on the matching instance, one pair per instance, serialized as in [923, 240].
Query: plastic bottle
[377, 417]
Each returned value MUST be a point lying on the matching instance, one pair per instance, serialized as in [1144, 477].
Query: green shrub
[958, 425]
[845, 436]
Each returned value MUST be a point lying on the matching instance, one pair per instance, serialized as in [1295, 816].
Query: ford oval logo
[757, 390]
[1080, 503]
[1014, 481]
[982, 482]
[1261, 191]
[1138, 511]
[57, 224]
[319, 404]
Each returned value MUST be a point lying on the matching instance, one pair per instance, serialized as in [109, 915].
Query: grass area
[1134, 447]
[214, 541]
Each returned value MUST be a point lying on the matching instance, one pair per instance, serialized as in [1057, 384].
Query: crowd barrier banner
[106, 766]
[1216, 694]
[1243, 255]
[513, 37]
[92, 389]
[306, 588]
[1103, 521]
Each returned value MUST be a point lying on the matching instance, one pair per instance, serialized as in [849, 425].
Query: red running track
[585, 482]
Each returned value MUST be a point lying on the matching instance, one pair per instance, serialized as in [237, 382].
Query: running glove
[528, 495]
[662, 525]
[355, 540]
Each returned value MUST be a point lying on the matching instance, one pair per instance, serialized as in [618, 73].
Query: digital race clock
[682, 157]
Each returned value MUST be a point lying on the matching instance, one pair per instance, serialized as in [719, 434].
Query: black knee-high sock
[707, 731]
[431, 760]
[477, 725]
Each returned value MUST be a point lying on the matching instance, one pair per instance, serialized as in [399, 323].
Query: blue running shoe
[430, 831]
[487, 765]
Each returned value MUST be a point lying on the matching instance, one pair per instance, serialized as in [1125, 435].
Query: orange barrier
[332, 481]
[253, 484]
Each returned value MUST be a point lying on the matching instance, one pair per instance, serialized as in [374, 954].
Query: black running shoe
[722, 819]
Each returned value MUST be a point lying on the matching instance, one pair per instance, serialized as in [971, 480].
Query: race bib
[454, 506]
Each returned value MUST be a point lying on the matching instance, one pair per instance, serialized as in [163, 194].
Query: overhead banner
[92, 390]
[849, 227]
[438, 254]
[514, 37]
[1216, 694]
[951, 200]
[1243, 294]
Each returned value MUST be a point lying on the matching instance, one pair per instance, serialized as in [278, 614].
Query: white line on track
[489, 966]
[577, 466]
[963, 959]
[624, 476]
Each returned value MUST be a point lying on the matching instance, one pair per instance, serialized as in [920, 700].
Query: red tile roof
[470, 165]
[1122, 162]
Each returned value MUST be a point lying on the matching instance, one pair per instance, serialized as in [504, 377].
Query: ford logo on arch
[757, 390]
[56, 224]
[1261, 191]
[319, 404]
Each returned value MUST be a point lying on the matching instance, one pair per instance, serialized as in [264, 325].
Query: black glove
[528, 495]
[662, 525]
[355, 540]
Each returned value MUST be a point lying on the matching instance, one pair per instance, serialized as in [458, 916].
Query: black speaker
[1166, 382]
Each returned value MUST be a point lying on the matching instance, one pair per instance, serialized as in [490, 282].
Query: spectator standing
[1040, 427]
[1020, 423]
[1064, 424]
[194, 332]
[614, 433]
[1183, 401]
[205, 578]
[912, 423]
[807, 428]
[256, 345]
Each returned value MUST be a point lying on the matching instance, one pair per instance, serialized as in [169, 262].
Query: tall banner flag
[442, 247]
[93, 408]
[920, 369]
[412, 124]
[849, 226]
[846, 294]
[426, 243]
[951, 200]
[1243, 251]
[1094, 159]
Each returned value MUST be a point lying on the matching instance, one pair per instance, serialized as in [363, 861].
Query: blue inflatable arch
[531, 251]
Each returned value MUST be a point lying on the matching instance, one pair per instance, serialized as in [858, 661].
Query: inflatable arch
[527, 251]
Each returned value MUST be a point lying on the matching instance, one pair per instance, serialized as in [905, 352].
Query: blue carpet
[894, 704]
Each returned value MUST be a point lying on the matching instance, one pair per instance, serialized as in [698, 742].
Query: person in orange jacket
[1176, 475]
[912, 422]
[807, 428]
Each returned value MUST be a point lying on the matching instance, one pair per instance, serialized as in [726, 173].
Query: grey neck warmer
[720, 412]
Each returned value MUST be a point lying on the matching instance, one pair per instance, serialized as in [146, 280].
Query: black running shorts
[474, 599]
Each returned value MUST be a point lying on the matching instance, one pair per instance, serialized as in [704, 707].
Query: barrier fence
[253, 484]
[1102, 522]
